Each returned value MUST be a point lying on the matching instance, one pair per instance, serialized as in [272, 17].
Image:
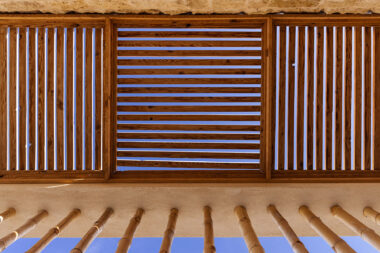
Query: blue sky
[189, 245]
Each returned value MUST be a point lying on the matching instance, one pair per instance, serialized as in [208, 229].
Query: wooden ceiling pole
[335, 242]
[7, 214]
[126, 240]
[169, 232]
[93, 232]
[23, 230]
[287, 231]
[209, 246]
[355, 225]
[249, 234]
[373, 215]
[54, 232]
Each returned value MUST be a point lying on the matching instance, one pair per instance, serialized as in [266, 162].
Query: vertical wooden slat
[319, 130]
[358, 99]
[22, 98]
[69, 99]
[93, 232]
[126, 240]
[79, 99]
[98, 94]
[329, 99]
[50, 100]
[249, 234]
[88, 100]
[377, 102]
[367, 99]
[169, 232]
[300, 100]
[291, 145]
[281, 126]
[348, 98]
[59, 105]
[338, 101]
[32, 99]
[310, 99]
[209, 246]
[41, 99]
[3, 98]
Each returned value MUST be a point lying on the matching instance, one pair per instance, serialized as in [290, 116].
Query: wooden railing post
[287, 231]
[355, 225]
[169, 232]
[23, 230]
[7, 214]
[209, 246]
[335, 242]
[249, 234]
[93, 232]
[53, 232]
[126, 240]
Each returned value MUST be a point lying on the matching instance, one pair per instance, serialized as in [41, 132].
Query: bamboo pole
[209, 246]
[287, 231]
[23, 230]
[335, 242]
[373, 215]
[126, 240]
[355, 225]
[53, 232]
[169, 232]
[93, 232]
[7, 214]
[249, 234]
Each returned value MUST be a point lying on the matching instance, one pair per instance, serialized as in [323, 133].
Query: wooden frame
[109, 173]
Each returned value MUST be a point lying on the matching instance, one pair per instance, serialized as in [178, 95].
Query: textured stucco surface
[92, 199]
[190, 6]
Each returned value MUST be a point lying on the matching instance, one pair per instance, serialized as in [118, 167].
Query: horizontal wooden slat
[173, 52]
[188, 99]
[191, 117]
[165, 164]
[188, 34]
[136, 126]
[178, 62]
[192, 145]
[190, 90]
[192, 43]
[194, 136]
[188, 108]
[188, 80]
[187, 154]
[194, 71]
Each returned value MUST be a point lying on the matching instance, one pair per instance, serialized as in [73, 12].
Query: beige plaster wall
[190, 6]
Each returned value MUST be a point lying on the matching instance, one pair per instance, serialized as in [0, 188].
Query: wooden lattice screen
[189, 98]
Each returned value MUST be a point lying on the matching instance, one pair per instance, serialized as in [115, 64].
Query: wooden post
[335, 242]
[126, 240]
[209, 246]
[169, 232]
[23, 230]
[249, 234]
[287, 231]
[92, 232]
[372, 214]
[53, 232]
[7, 214]
[355, 225]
